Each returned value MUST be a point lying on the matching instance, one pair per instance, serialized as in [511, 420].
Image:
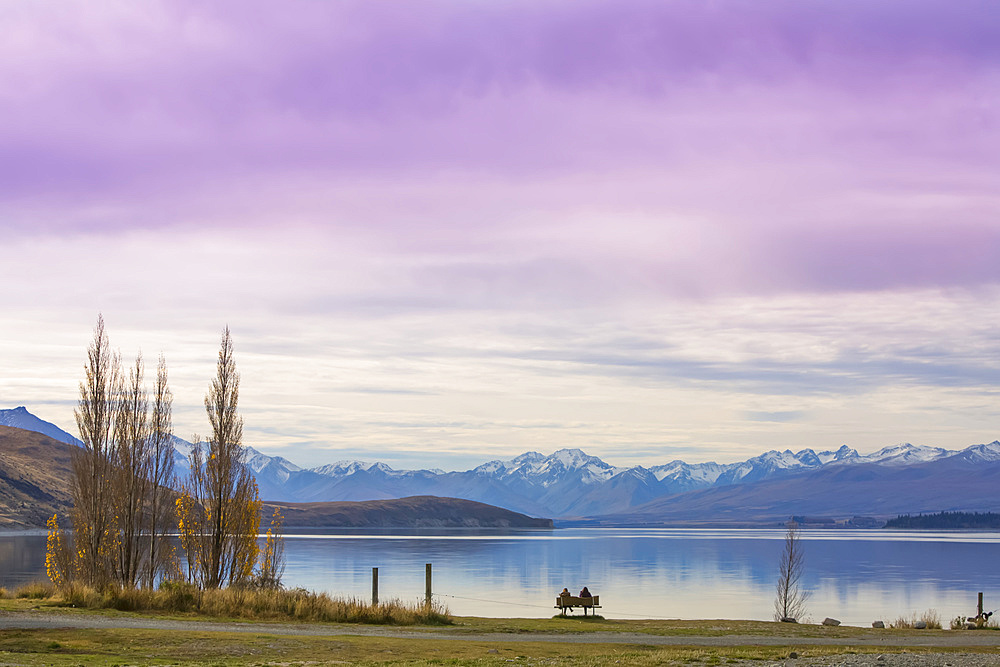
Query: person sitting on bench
[585, 593]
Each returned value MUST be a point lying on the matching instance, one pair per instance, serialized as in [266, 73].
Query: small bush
[35, 590]
[932, 619]
[179, 596]
[962, 623]
[80, 595]
[929, 617]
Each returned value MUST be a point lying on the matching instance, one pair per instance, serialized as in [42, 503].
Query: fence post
[427, 584]
[980, 606]
[374, 586]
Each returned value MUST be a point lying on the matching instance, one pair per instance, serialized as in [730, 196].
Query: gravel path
[935, 639]
[887, 660]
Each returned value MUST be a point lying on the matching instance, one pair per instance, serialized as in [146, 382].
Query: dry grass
[92, 647]
[970, 623]
[930, 618]
[36, 590]
[297, 604]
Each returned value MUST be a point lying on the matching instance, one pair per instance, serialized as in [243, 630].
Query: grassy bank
[486, 642]
[119, 646]
[251, 604]
[464, 641]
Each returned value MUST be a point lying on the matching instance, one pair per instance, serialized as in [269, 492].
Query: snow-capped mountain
[260, 462]
[544, 470]
[989, 453]
[19, 417]
[905, 454]
[341, 468]
[568, 482]
[773, 463]
[681, 476]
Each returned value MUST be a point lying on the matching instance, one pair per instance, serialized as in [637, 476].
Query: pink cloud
[729, 147]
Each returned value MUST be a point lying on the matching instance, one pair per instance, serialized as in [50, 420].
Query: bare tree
[223, 487]
[790, 597]
[92, 463]
[161, 475]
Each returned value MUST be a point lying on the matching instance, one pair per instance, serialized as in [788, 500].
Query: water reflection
[856, 576]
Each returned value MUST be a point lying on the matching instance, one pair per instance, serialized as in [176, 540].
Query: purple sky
[448, 231]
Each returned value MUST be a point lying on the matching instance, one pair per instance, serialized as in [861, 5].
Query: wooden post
[980, 606]
[427, 584]
[374, 586]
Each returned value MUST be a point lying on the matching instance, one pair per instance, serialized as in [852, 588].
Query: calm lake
[856, 576]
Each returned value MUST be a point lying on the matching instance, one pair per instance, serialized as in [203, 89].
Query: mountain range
[36, 472]
[571, 485]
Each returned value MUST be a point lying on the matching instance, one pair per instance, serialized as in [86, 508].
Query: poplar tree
[161, 476]
[121, 475]
[222, 485]
[92, 463]
[130, 464]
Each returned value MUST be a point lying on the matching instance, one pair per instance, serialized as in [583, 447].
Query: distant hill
[34, 477]
[412, 512]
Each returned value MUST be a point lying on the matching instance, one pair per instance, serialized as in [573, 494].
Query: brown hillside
[412, 512]
[34, 478]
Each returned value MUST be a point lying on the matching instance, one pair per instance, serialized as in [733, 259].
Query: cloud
[784, 416]
[618, 225]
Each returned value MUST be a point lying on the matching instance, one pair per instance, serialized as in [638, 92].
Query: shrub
[35, 590]
[80, 595]
[932, 619]
[929, 617]
[962, 622]
[179, 596]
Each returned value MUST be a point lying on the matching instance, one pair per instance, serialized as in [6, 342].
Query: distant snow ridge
[343, 468]
[989, 453]
[19, 417]
[259, 461]
[548, 470]
[692, 473]
[906, 454]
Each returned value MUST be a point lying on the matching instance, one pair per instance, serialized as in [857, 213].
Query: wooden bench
[564, 602]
